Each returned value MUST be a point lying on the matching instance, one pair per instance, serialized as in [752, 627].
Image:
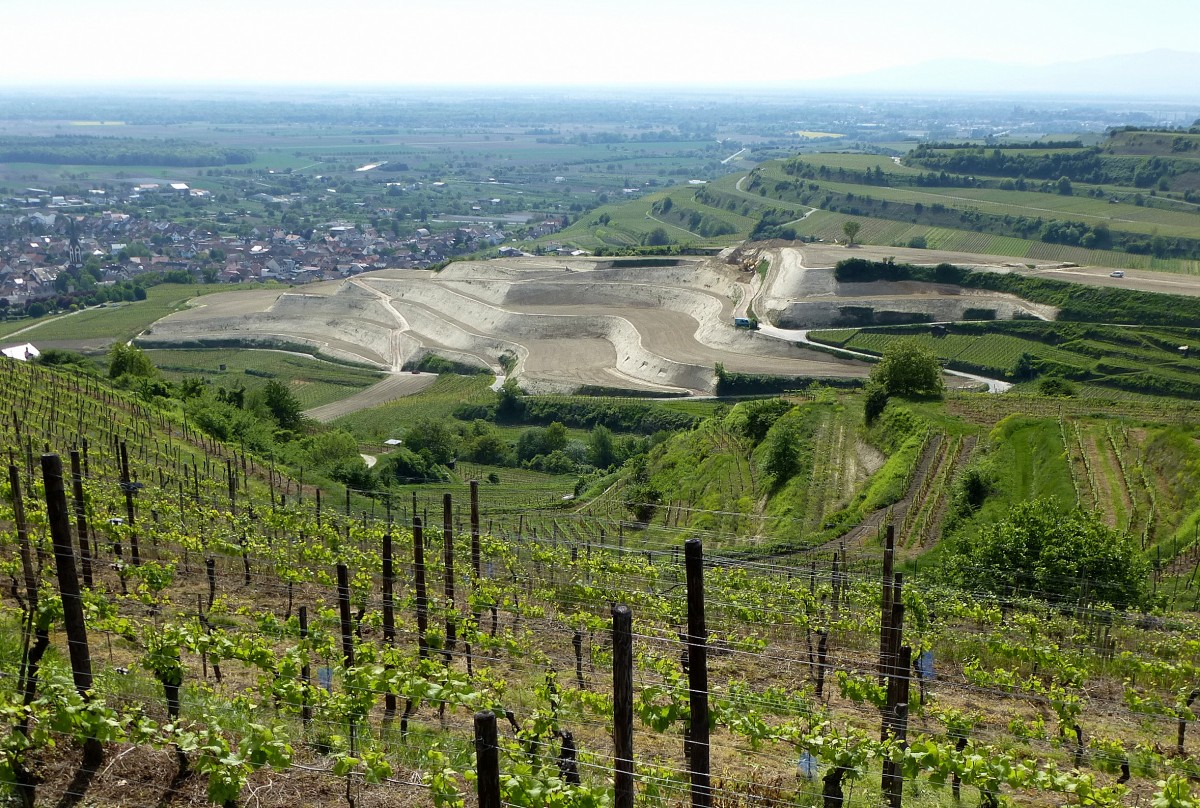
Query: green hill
[1132, 201]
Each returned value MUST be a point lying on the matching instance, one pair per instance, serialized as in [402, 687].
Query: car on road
[1117, 274]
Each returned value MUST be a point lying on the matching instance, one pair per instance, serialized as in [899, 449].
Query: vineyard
[185, 623]
[1142, 360]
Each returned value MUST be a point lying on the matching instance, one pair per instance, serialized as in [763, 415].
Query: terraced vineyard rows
[923, 521]
[1127, 359]
[251, 642]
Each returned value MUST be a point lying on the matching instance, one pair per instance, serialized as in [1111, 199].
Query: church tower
[74, 251]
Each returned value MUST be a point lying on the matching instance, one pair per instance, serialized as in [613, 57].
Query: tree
[538, 441]
[1064, 186]
[1024, 367]
[405, 466]
[129, 360]
[875, 401]
[601, 451]
[851, 228]
[907, 369]
[433, 439]
[509, 404]
[781, 452]
[1042, 549]
[1056, 386]
[283, 405]
[483, 444]
[657, 238]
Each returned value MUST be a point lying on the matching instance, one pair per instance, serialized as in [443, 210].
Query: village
[55, 246]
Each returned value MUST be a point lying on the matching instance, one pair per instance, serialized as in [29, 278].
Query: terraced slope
[566, 324]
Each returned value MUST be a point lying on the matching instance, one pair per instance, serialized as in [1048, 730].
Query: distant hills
[1165, 74]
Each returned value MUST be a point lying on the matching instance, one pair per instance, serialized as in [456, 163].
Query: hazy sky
[646, 42]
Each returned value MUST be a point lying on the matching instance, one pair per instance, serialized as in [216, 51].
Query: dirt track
[393, 387]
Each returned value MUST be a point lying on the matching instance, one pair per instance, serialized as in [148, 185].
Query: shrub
[1042, 549]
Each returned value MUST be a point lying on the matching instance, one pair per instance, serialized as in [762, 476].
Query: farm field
[223, 646]
[96, 328]
[377, 424]
[314, 382]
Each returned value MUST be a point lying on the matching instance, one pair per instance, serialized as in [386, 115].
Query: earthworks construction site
[561, 324]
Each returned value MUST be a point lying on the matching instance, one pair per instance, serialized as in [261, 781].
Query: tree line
[1073, 233]
[1082, 165]
[124, 151]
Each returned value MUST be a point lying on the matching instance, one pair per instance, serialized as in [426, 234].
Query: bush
[753, 419]
[406, 466]
[1056, 386]
[1040, 549]
[979, 314]
[874, 403]
[907, 369]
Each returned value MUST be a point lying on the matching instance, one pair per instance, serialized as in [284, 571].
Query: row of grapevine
[261, 627]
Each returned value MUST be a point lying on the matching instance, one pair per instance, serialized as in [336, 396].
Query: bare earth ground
[567, 322]
[570, 322]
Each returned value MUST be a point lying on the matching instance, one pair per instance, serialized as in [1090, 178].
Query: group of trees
[1086, 165]
[702, 224]
[432, 445]
[1078, 233]
[118, 151]
[772, 224]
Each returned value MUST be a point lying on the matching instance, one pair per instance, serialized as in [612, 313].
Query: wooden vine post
[895, 662]
[128, 486]
[389, 609]
[623, 706]
[696, 745]
[305, 671]
[422, 596]
[448, 580]
[31, 583]
[347, 628]
[487, 760]
[885, 611]
[476, 555]
[81, 524]
[72, 599]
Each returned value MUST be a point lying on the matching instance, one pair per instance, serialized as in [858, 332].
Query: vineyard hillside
[185, 622]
